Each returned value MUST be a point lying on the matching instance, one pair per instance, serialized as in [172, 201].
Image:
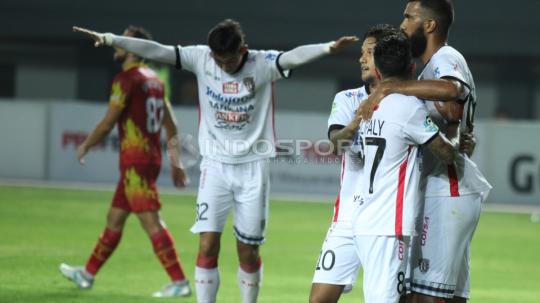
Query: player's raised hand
[368, 106]
[179, 177]
[100, 39]
[81, 152]
[342, 43]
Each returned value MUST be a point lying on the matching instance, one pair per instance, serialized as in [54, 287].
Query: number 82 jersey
[140, 94]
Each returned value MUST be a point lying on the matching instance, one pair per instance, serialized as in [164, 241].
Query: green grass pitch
[40, 228]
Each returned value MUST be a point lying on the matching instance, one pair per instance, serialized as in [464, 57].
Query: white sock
[206, 284]
[249, 284]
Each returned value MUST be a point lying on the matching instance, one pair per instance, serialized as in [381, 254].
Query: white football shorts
[440, 252]
[245, 188]
[384, 259]
[338, 262]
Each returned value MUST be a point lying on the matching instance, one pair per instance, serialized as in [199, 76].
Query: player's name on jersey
[373, 127]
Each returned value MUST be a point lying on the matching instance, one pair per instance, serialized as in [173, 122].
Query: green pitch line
[40, 228]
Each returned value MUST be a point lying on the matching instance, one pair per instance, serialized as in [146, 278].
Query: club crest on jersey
[423, 265]
[429, 125]
[230, 88]
[249, 83]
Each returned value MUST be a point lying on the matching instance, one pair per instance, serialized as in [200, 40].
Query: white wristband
[108, 38]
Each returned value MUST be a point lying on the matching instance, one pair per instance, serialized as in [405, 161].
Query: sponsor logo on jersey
[423, 265]
[232, 117]
[425, 228]
[230, 88]
[401, 250]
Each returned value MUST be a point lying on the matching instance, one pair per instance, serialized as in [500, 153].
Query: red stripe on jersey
[453, 179]
[336, 206]
[400, 193]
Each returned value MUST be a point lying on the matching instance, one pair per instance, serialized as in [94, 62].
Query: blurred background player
[387, 189]
[235, 100]
[138, 107]
[454, 193]
[338, 264]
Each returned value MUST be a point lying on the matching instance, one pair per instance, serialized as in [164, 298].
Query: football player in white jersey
[236, 138]
[388, 187]
[454, 193]
[338, 263]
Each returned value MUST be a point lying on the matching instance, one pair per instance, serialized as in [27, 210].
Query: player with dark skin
[426, 37]
[428, 33]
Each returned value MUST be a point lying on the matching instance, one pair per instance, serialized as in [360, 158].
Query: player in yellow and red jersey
[138, 107]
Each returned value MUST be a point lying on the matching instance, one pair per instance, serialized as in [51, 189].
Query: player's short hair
[393, 56]
[226, 37]
[379, 31]
[139, 32]
[442, 11]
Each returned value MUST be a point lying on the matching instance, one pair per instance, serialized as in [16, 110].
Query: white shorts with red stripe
[440, 252]
[384, 259]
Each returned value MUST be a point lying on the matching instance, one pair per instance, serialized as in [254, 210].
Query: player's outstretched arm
[103, 128]
[311, 52]
[174, 148]
[150, 50]
[441, 90]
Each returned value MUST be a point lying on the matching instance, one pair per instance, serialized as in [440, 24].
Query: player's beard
[418, 42]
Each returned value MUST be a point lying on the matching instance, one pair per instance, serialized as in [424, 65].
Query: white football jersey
[389, 183]
[464, 177]
[343, 111]
[236, 118]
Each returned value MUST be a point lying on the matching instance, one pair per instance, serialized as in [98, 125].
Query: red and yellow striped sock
[164, 249]
[105, 246]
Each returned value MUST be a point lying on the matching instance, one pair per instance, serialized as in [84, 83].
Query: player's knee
[150, 222]
[248, 254]
[209, 244]
[116, 220]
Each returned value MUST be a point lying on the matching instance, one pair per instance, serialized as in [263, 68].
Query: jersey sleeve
[419, 128]
[191, 57]
[450, 66]
[270, 65]
[120, 91]
[342, 112]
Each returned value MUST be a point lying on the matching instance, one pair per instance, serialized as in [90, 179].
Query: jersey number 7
[380, 143]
